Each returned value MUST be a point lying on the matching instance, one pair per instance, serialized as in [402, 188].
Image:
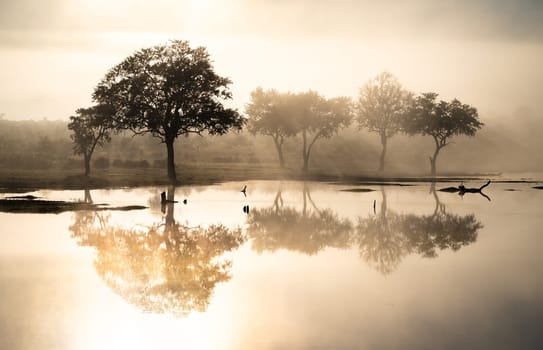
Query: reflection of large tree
[307, 231]
[166, 267]
[384, 239]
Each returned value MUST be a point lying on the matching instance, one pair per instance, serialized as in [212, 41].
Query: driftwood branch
[461, 190]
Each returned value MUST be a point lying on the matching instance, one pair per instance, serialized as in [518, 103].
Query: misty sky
[488, 53]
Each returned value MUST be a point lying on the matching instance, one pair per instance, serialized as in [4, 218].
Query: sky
[487, 53]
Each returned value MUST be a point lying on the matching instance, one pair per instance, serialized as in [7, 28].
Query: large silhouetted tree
[442, 120]
[168, 91]
[382, 103]
[270, 114]
[318, 117]
[90, 127]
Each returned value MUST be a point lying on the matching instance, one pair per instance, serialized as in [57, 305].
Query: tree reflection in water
[384, 240]
[307, 231]
[164, 268]
[380, 240]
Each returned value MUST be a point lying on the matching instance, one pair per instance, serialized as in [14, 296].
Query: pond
[288, 265]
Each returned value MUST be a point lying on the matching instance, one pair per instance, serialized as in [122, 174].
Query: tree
[441, 120]
[270, 114]
[168, 91]
[318, 117]
[90, 128]
[382, 103]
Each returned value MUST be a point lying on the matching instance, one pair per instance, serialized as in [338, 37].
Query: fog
[501, 146]
[486, 53]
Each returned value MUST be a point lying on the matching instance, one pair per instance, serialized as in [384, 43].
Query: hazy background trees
[507, 143]
[381, 108]
[270, 114]
[90, 127]
[285, 115]
[318, 117]
[168, 91]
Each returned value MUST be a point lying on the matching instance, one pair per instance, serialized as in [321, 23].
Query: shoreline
[21, 181]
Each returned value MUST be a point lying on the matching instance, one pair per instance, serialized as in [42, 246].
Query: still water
[310, 266]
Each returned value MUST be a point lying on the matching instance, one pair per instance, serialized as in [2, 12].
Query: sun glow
[129, 329]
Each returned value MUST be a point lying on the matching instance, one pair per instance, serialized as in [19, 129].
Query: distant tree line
[46, 144]
[172, 90]
[383, 106]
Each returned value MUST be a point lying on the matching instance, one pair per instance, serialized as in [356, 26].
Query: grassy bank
[16, 180]
[19, 180]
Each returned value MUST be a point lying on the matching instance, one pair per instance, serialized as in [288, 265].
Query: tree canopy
[318, 117]
[441, 120]
[90, 127]
[382, 104]
[168, 91]
[270, 113]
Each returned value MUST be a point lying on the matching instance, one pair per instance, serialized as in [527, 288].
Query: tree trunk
[171, 161]
[305, 154]
[306, 164]
[86, 159]
[433, 161]
[278, 146]
[383, 152]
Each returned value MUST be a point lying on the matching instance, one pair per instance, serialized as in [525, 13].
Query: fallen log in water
[463, 189]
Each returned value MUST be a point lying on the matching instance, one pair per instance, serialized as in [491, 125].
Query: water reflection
[308, 230]
[171, 268]
[87, 197]
[384, 239]
[380, 238]
[166, 267]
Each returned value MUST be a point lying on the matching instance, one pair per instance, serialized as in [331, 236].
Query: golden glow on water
[309, 266]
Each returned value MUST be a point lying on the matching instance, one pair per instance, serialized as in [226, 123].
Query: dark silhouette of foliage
[382, 105]
[270, 114]
[168, 91]
[440, 230]
[90, 127]
[442, 120]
